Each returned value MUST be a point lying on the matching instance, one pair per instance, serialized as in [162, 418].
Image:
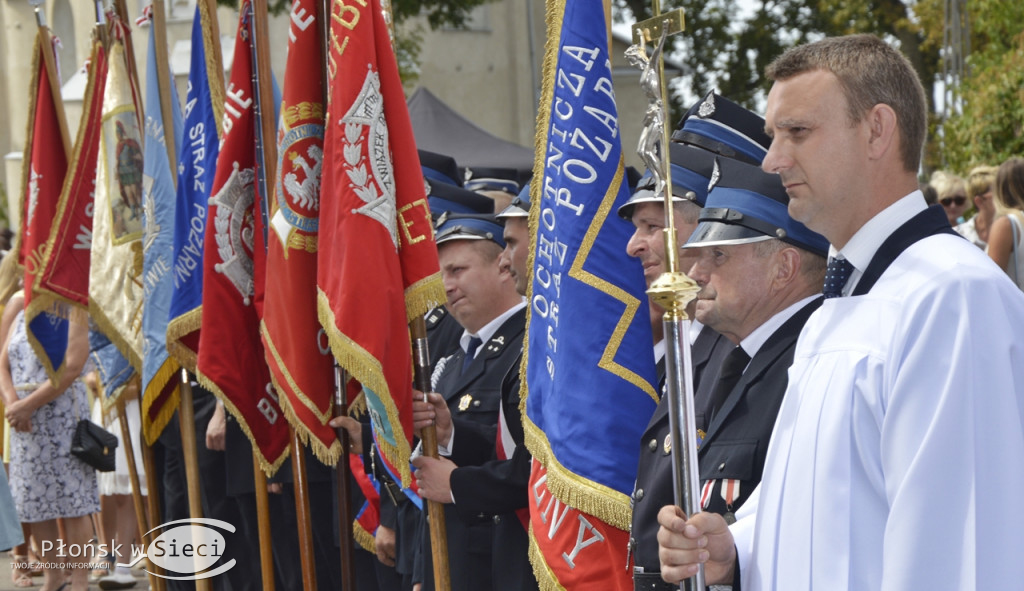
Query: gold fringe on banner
[268, 465]
[367, 370]
[151, 429]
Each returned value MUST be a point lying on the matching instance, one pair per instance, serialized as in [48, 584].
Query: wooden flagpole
[428, 436]
[187, 423]
[163, 82]
[343, 471]
[267, 161]
[343, 475]
[263, 523]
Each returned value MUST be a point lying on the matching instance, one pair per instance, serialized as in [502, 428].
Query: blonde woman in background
[979, 192]
[1006, 241]
[952, 195]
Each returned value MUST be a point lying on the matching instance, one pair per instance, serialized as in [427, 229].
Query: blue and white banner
[590, 372]
[158, 368]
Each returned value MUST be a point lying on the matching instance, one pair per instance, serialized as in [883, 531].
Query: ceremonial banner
[299, 358]
[115, 277]
[367, 519]
[65, 273]
[231, 361]
[159, 370]
[197, 163]
[377, 266]
[45, 168]
[589, 366]
[113, 369]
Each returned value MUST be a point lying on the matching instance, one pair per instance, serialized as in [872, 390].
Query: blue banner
[589, 354]
[197, 163]
[112, 366]
[158, 368]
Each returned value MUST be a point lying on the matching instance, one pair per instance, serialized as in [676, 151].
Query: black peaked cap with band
[746, 204]
[717, 124]
[691, 171]
[455, 226]
[519, 207]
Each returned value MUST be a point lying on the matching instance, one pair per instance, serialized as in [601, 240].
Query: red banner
[570, 549]
[65, 272]
[300, 361]
[377, 266]
[231, 362]
[45, 166]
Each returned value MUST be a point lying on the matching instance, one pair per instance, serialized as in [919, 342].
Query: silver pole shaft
[683, 425]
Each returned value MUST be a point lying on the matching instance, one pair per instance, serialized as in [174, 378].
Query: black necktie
[728, 376]
[474, 344]
[836, 276]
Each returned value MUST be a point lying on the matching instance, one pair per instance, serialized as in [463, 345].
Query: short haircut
[812, 266]
[870, 73]
[1009, 187]
[687, 211]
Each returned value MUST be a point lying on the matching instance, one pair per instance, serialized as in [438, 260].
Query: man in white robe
[898, 452]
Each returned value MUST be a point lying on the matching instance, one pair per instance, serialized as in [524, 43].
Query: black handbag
[94, 445]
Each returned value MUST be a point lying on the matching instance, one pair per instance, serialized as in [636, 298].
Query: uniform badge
[700, 437]
[465, 401]
[707, 108]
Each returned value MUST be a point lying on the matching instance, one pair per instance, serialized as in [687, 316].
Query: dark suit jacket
[497, 489]
[474, 398]
[734, 446]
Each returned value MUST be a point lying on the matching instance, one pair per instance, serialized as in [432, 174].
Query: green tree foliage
[990, 128]
[721, 47]
[439, 13]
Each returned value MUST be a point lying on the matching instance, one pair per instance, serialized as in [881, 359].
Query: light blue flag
[197, 163]
[158, 368]
[112, 366]
[590, 369]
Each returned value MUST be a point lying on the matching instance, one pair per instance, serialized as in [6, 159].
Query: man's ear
[883, 125]
[787, 266]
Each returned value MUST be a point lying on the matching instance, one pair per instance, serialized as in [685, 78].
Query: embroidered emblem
[296, 221]
[371, 174]
[464, 401]
[235, 227]
[707, 108]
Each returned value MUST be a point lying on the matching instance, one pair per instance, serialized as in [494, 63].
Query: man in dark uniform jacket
[482, 297]
[713, 126]
[758, 290]
[494, 484]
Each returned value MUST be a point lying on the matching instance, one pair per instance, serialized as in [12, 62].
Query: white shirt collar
[760, 335]
[865, 243]
[490, 328]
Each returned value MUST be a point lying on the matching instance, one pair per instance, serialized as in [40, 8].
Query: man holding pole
[474, 480]
[887, 469]
[482, 296]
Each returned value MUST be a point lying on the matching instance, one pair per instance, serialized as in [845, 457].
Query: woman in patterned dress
[47, 482]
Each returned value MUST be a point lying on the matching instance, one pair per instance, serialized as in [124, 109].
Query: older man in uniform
[713, 126]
